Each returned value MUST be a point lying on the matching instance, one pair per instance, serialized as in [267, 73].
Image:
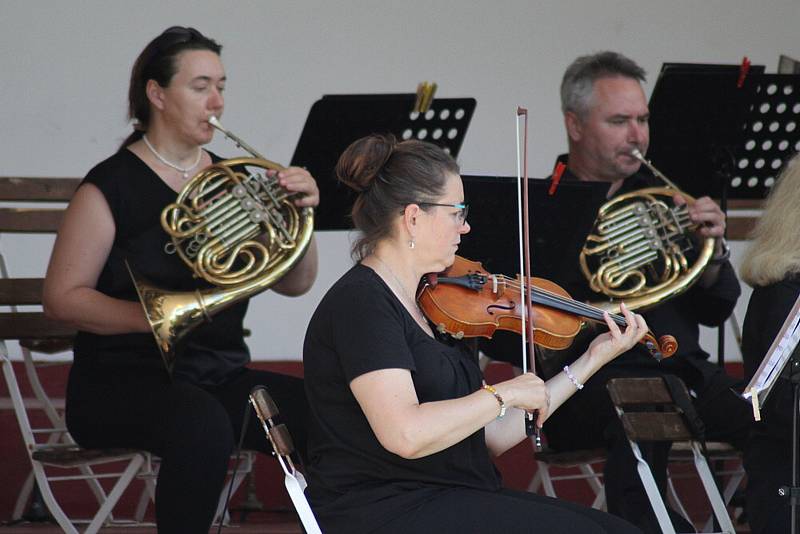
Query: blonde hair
[775, 251]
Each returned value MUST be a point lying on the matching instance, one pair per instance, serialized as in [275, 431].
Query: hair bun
[360, 164]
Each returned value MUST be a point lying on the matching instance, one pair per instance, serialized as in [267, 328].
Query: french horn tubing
[234, 226]
[637, 250]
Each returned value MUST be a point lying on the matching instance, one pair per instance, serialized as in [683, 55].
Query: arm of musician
[502, 434]
[79, 254]
[300, 279]
[711, 223]
[713, 297]
[412, 430]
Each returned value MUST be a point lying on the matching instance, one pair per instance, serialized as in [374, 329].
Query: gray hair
[578, 82]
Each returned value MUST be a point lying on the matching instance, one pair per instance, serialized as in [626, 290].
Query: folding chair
[283, 446]
[38, 335]
[663, 420]
[60, 459]
[718, 453]
[49, 446]
[585, 461]
[36, 221]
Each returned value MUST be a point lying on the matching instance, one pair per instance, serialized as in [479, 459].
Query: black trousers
[192, 429]
[768, 463]
[588, 420]
[462, 510]
[459, 510]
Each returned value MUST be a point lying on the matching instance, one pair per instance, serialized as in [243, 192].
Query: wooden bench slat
[739, 228]
[21, 291]
[37, 189]
[30, 220]
[744, 203]
[34, 325]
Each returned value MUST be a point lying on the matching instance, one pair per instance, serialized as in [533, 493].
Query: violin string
[592, 311]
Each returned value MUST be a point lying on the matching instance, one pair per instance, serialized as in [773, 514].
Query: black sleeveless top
[209, 354]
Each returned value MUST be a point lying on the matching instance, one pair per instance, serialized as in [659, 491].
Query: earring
[411, 244]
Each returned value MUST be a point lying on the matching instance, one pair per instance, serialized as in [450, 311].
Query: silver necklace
[164, 160]
[413, 302]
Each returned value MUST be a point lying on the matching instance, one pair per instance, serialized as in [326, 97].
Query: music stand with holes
[712, 137]
[335, 121]
[716, 133]
[771, 135]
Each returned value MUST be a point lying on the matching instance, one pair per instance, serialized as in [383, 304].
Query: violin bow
[531, 429]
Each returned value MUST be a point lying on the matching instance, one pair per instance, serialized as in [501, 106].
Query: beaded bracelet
[572, 378]
[497, 396]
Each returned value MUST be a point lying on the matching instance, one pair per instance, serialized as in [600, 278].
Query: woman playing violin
[403, 427]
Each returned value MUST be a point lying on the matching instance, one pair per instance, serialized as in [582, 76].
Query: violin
[467, 301]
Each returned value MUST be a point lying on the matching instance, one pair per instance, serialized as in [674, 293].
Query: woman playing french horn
[119, 392]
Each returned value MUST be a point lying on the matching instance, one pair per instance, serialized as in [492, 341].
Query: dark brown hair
[389, 176]
[158, 61]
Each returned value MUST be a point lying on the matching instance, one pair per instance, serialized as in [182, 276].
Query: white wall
[65, 68]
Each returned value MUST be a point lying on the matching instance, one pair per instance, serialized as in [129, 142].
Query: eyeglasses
[462, 207]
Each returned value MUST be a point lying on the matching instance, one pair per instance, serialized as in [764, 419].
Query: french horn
[637, 250]
[234, 226]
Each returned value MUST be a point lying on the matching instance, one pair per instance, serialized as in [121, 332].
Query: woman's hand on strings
[611, 344]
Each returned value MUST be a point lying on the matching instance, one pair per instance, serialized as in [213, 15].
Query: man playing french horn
[120, 393]
[606, 118]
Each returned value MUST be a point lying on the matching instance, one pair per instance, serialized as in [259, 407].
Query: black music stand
[712, 137]
[335, 121]
[771, 135]
[716, 133]
[558, 224]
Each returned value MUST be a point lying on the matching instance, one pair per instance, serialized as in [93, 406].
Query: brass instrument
[637, 249]
[236, 228]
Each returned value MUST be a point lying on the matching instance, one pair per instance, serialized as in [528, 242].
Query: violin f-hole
[491, 307]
